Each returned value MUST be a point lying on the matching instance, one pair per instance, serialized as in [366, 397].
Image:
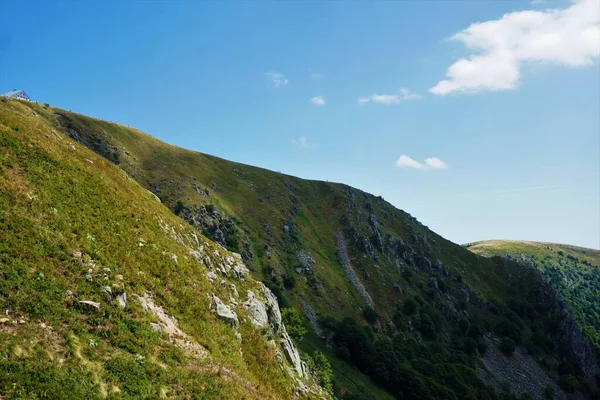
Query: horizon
[515, 157]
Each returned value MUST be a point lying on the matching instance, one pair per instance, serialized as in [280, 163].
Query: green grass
[58, 198]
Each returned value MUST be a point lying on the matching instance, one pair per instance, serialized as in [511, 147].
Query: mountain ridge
[435, 306]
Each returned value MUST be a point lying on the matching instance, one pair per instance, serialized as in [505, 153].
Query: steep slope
[574, 272]
[104, 293]
[384, 298]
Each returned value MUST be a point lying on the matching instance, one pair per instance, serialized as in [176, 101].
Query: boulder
[256, 310]
[121, 299]
[90, 304]
[224, 313]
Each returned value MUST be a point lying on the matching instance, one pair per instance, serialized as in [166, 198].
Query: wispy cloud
[302, 142]
[277, 79]
[568, 37]
[317, 76]
[387, 99]
[430, 163]
[318, 101]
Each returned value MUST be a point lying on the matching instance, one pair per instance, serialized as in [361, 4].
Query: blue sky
[339, 91]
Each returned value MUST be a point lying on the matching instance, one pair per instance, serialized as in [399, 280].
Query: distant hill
[379, 305]
[573, 271]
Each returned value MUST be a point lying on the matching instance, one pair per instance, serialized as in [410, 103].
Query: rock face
[522, 374]
[291, 354]
[256, 310]
[345, 263]
[273, 311]
[224, 312]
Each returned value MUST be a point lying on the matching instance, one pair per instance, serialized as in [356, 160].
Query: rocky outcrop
[273, 311]
[309, 313]
[306, 262]
[291, 354]
[256, 310]
[347, 267]
[224, 312]
[519, 373]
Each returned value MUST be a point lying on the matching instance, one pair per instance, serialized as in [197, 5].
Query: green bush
[289, 282]
[294, 324]
[322, 370]
[178, 207]
[370, 314]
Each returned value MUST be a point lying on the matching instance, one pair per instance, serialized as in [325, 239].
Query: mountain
[369, 294]
[574, 272]
[105, 293]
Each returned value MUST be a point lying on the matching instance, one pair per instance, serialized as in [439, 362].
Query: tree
[293, 323]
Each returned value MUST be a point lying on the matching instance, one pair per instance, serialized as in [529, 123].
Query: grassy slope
[261, 201]
[573, 271]
[58, 198]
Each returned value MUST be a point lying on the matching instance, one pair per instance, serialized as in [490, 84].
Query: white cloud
[388, 99]
[316, 75]
[436, 163]
[569, 37]
[318, 100]
[302, 142]
[406, 162]
[430, 163]
[277, 79]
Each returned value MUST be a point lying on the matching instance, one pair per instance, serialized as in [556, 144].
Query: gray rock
[225, 313]
[273, 310]
[91, 304]
[122, 299]
[234, 291]
[306, 261]
[291, 353]
[256, 310]
[155, 327]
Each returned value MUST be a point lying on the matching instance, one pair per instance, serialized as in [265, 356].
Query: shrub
[507, 345]
[294, 324]
[370, 314]
[178, 207]
[289, 282]
[4, 100]
[427, 327]
[322, 370]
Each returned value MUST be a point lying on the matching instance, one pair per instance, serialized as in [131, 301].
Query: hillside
[572, 271]
[106, 294]
[396, 309]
